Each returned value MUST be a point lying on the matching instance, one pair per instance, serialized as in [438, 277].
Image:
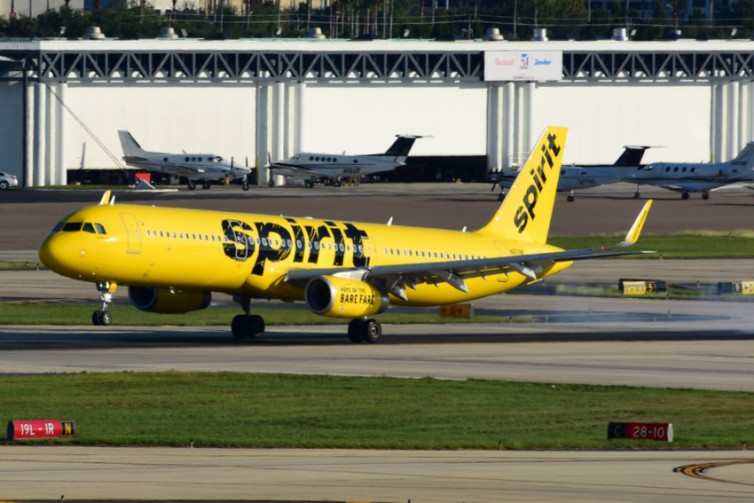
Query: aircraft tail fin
[746, 156]
[526, 211]
[631, 156]
[131, 147]
[401, 147]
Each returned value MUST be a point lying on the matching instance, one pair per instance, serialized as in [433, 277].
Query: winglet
[633, 233]
[105, 198]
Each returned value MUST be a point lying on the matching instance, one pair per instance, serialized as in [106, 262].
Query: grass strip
[685, 245]
[286, 411]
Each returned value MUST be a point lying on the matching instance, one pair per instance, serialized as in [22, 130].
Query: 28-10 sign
[662, 432]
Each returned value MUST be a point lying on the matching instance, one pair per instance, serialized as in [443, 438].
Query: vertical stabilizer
[526, 211]
[131, 147]
[401, 147]
[746, 156]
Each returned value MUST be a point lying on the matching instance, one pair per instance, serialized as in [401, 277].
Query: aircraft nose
[56, 255]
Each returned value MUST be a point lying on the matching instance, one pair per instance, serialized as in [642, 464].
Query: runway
[95, 473]
[700, 344]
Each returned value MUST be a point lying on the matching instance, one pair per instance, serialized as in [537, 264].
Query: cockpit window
[89, 228]
[100, 229]
[72, 226]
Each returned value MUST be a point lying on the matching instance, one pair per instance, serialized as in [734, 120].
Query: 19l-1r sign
[536, 66]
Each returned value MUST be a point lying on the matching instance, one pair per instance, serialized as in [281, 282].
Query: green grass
[66, 313]
[686, 245]
[267, 410]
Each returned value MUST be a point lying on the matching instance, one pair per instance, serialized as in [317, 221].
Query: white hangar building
[63, 101]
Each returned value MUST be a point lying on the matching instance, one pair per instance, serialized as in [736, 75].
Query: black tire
[97, 318]
[191, 185]
[570, 199]
[4, 185]
[106, 318]
[371, 330]
[206, 185]
[685, 196]
[237, 327]
[245, 186]
[355, 331]
[256, 326]
[247, 327]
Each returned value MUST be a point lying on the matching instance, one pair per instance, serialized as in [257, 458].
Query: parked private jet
[686, 177]
[313, 167]
[201, 168]
[590, 175]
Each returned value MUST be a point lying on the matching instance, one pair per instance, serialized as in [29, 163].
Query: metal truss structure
[159, 63]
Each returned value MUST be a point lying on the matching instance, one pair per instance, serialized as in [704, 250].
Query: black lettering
[359, 253]
[266, 250]
[340, 247]
[240, 245]
[299, 241]
[521, 219]
[530, 200]
[316, 235]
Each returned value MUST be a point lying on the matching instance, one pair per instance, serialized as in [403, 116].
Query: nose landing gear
[103, 316]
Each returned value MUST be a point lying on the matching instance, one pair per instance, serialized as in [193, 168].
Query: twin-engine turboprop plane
[173, 259]
[334, 167]
[202, 168]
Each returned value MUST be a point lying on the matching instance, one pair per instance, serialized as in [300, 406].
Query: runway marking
[698, 470]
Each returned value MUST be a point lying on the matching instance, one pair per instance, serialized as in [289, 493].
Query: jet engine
[340, 297]
[167, 300]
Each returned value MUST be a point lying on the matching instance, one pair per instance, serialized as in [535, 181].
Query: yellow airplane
[172, 259]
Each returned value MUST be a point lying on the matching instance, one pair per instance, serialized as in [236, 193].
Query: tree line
[423, 19]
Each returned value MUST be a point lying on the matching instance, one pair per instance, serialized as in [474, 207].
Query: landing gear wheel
[355, 331]
[500, 197]
[371, 330]
[637, 195]
[685, 196]
[271, 183]
[247, 326]
[308, 184]
[705, 195]
[191, 185]
[101, 318]
[245, 186]
[570, 199]
[206, 185]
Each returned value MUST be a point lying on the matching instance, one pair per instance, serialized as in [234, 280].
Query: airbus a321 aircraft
[592, 175]
[686, 177]
[312, 166]
[202, 168]
[172, 259]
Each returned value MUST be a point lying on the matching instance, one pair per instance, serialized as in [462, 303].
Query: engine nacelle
[344, 297]
[167, 301]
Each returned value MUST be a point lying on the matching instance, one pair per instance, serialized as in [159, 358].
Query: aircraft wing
[294, 170]
[454, 272]
[690, 185]
[186, 170]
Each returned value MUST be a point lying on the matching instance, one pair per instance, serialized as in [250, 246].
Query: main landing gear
[247, 325]
[364, 329]
[103, 316]
[191, 185]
